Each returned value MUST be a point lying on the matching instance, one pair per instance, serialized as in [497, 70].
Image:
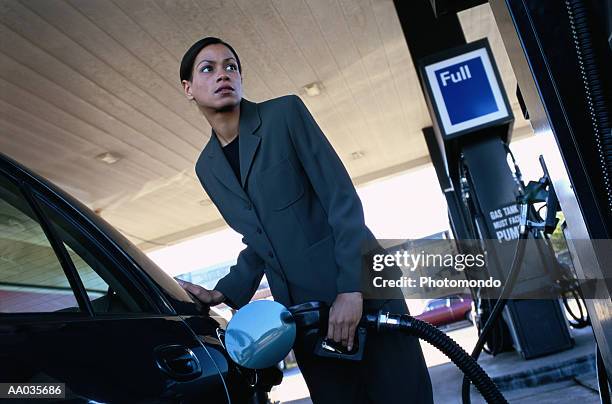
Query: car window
[436, 304]
[32, 279]
[107, 284]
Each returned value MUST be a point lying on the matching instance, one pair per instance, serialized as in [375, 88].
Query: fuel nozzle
[534, 192]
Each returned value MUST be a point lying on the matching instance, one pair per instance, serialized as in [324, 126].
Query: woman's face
[216, 82]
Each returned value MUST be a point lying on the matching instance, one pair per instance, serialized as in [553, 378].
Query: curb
[546, 374]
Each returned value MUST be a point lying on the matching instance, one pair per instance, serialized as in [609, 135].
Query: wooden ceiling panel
[158, 24]
[117, 66]
[281, 46]
[43, 143]
[99, 123]
[37, 107]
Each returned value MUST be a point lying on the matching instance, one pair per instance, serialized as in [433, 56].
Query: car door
[74, 311]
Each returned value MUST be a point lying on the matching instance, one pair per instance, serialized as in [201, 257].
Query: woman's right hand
[209, 297]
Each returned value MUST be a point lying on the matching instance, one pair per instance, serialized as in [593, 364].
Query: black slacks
[392, 370]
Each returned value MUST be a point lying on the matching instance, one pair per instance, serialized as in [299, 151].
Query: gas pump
[472, 129]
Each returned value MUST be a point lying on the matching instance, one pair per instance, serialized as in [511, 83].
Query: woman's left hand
[344, 316]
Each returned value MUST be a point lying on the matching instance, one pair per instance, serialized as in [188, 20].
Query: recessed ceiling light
[313, 89]
[357, 155]
[108, 158]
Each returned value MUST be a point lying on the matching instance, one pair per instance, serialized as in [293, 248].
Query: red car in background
[447, 310]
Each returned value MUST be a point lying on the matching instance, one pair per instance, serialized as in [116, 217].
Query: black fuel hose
[582, 320]
[497, 309]
[445, 344]
[594, 88]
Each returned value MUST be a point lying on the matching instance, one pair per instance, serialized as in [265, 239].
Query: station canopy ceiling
[80, 79]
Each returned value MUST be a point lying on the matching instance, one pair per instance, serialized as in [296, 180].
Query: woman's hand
[344, 316]
[209, 297]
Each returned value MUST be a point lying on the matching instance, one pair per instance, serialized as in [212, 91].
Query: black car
[81, 305]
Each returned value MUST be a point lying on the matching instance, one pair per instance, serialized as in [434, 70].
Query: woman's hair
[189, 56]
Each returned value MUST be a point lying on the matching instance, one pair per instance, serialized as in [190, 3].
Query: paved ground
[525, 379]
[522, 380]
[582, 390]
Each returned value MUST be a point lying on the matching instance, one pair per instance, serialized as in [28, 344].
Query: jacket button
[270, 254]
[259, 230]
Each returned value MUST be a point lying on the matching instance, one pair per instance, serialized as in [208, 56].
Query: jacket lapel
[248, 139]
[248, 144]
[221, 168]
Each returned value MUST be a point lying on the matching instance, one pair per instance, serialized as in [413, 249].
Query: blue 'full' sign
[466, 92]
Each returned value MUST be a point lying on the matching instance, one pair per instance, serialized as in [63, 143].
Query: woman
[277, 181]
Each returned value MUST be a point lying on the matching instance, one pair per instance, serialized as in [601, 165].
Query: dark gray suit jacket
[295, 206]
